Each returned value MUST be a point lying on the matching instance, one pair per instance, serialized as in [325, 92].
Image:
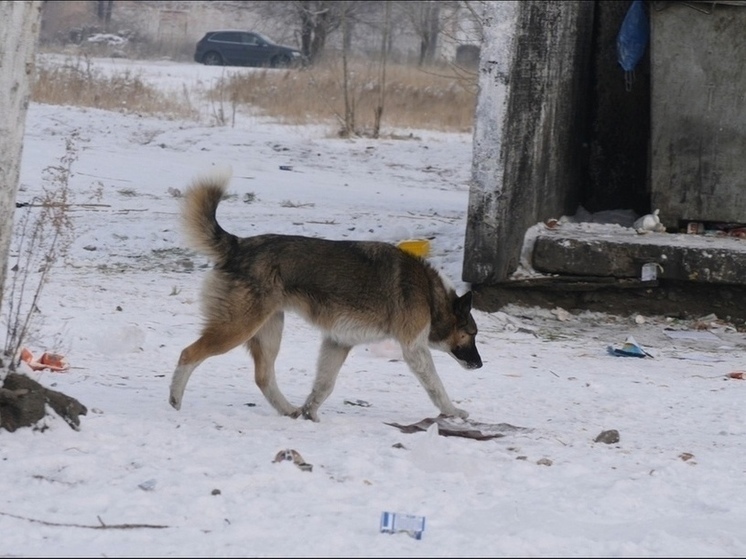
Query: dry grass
[436, 99]
[76, 83]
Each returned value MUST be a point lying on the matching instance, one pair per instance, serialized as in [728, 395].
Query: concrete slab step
[613, 251]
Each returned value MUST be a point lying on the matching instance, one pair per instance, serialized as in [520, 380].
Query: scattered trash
[649, 223]
[630, 349]
[712, 322]
[695, 228]
[624, 218]
[361, 403]
[294, 457]
[649, 271]
[52, 361]
[741, 375]
[392, 522]
[454, 427]
[686, 456]
[148, 485]
[716, 229]
[511, 324]
[561, 314]
[607, 437]
[738, 232]
[285, 168]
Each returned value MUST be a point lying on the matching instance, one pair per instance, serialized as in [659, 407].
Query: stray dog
[354, 291]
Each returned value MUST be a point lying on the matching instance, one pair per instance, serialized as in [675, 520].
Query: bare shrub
[44, 236]
[219, 97]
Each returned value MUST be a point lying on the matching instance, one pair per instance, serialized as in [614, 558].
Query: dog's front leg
[331, 358]
[420, 361]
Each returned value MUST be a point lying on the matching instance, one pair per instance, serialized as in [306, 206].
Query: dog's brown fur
[353, 291]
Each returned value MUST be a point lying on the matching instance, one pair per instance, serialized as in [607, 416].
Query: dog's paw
[456, 412]
[309, 413]
[305, 413]
[175, 402]
[295, 414]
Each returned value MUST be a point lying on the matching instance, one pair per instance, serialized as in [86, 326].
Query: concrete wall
[699, 113]
[529, 127]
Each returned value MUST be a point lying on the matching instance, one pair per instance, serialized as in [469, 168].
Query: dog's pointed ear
[462, 305]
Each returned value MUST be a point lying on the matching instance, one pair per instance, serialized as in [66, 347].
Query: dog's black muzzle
[468, 357]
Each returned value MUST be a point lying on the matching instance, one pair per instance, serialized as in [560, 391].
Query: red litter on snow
[52, 361]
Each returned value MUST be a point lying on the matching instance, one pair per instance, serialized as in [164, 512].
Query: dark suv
[244, 48]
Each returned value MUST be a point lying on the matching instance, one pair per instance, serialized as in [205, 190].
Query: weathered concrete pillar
[528, 130]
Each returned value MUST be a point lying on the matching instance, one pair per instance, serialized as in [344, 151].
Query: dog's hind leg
[331, 358]
[264, 347]
[420, 361]
[216, 338]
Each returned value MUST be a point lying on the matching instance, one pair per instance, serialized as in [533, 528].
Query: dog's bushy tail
[198, 215]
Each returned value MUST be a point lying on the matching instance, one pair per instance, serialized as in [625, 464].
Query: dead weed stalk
[45, 233]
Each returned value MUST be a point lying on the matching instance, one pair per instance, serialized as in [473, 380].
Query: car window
[249, 39]
[226, 37]
[264, 39]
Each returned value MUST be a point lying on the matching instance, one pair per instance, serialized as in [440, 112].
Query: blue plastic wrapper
[392, 522]
[630, 349]
[633, 36]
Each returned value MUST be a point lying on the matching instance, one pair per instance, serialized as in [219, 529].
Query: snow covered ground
[141, 479]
